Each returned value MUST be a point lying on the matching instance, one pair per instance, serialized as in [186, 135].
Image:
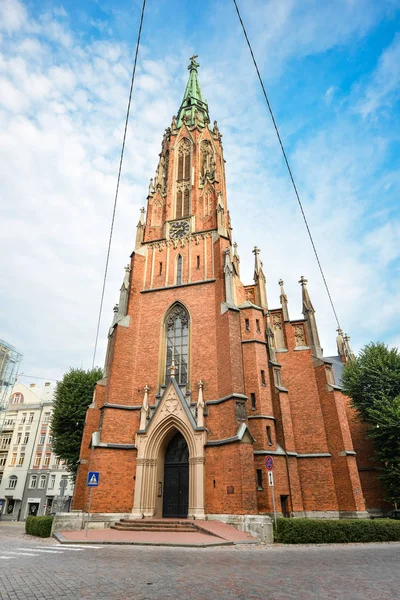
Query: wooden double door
[176, 478]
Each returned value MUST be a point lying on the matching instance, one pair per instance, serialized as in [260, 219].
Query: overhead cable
[118, 180]
[287, 163]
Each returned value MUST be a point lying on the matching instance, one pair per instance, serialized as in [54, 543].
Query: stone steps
[163, 525]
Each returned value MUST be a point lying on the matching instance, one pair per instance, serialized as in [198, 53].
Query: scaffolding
[10, 360]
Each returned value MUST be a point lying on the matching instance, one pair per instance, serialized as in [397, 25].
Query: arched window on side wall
[177, 342]
[183, 180]
[12, 482]
[179, 270]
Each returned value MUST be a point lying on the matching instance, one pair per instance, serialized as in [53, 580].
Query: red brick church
[203, 380]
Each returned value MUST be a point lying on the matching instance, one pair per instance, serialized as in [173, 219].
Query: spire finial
[309, 317]
[284, 301]
[303, 281]
[193, 64]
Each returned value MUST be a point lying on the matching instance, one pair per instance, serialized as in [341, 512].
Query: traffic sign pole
[273, 503]
[92, 481]
[269, 465]
[88, 515]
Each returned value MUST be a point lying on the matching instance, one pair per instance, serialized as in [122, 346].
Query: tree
[73, 395]
[372, 381]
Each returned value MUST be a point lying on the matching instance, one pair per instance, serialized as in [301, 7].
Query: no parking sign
[269, 463]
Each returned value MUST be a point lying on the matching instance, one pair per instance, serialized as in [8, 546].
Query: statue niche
[207, 163]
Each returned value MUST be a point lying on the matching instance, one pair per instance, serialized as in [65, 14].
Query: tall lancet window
[183, 180]
[177, 332]
[179, 270]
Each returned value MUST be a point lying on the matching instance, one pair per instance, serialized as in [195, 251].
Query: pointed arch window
[177, 333]
[179, 270]
[183, 180]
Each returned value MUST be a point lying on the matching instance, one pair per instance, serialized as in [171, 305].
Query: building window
[177, 333]
[17, 398]
[5, 442]
[42, 438]
[183, 180]
[247, 324]
[19, 436]
[269, 435]
[50, 440]
[52, 482]
[26, 438]
[47, 460]
[31, 415]
[3, 460]
[197, 262]
[33, 482]
[12, 482]
[23, 418]
[42, 482]
[258, 326]
[21, 459]
[259, 479]
[253, 401]
[37, 459]
[160, 271]
[13, 459]
[179, 270]
[46, 418]
[263, 382]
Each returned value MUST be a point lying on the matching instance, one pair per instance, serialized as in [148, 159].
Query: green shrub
[39, 526]
[327, 531]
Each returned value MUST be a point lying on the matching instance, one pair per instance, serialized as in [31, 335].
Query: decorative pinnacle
[146, 389]
[303, 281]
[256, 250]
[116, 308]
[200, 384]
[280, 282]
[173, 369]
[127, 269]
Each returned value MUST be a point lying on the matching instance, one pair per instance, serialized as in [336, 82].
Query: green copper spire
[193, 107]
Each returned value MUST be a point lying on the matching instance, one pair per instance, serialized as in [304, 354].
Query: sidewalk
[212, 533]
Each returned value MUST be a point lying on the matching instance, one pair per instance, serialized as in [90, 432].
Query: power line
[287, 163]
[118, 180]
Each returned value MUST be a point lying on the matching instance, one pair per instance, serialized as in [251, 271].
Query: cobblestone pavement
[34, 569]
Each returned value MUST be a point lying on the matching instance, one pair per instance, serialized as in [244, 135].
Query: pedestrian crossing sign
[93, 479]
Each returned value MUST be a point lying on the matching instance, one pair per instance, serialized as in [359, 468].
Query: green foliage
[372, 381]
[39, 526]
[73, 395]
[341, 531]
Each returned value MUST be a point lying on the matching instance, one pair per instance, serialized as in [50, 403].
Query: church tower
[202, 379]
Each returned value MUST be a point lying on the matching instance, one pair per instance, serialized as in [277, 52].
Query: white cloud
[383, 88]
[61, 124]
[12, 15]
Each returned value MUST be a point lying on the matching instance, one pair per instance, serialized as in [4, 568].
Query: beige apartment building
[33, 481]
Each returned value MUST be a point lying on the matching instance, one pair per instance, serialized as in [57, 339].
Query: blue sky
[331, 72]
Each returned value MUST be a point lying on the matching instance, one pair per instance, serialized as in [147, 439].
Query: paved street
[36, 569]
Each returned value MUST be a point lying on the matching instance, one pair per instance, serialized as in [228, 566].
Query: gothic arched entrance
[176, 478]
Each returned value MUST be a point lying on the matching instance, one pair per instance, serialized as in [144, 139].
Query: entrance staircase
[164, 525]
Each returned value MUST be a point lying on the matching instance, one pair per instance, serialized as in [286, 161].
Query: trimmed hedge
[329, 531]
[39, 526]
